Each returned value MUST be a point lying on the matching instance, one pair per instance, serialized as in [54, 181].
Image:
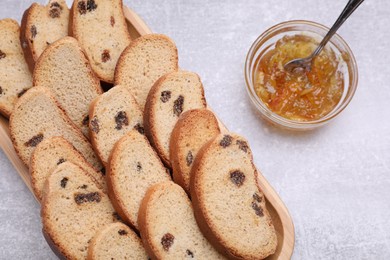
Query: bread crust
[24, 42]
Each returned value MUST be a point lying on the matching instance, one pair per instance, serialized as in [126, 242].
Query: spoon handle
[348, 10]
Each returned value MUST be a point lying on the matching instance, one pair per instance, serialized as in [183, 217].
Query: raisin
[86, 120]
[64, 181]
[189, 158]
[106, 56]
[81, 198]
[139, 166]
[121, 120]
[122, 232]
[167, 241]
[55, 5]
[258, 210]
[94, 124]
[237, 177]
[256, 197]
[189, 253]
[242, 145]
[84, 186]
[55, 10]
[91, 5]
[34, 141]
[226, 141]
[22, 92]
[103, 171]
[165, 96]
[2, 55]
[33, 31]
[61, 160]
[1, 90]
[116, 217]
[112, 21]
[178, 105]
[139, 128]
[82, 7]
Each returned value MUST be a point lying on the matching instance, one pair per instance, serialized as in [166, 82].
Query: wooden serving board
[279, 213]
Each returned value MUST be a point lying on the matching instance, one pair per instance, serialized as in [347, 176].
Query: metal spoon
[298, 65]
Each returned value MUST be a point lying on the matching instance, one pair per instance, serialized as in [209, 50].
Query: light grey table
[335, 181]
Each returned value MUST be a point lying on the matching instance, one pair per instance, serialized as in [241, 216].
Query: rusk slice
[112, 115]
[101, 29]
[52, 152]
[116, 241]
[193, 129]
[15, 77]
[133, 168]
[143, 62]
[65, 70]
[74, 208]
[168, 227]
[229, 206]
[36, 117]
[41, 26]
[173, 94]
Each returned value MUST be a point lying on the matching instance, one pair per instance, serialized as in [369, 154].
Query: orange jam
[304, 96]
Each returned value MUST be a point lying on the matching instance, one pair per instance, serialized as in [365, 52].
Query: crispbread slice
[36, 117]
[228, 203]
[143, 62]
[15, 77]
[134, 167]
[100, 27]
[193, 129]
[116, 241]
[112, 115]
[52, 152]
[41, 26]
[74, 208]
[65, 70]
[173, 94]
[168, 227]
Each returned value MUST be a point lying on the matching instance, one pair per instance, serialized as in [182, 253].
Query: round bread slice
[74, 209]
[143, 62]
[134, 167]
[15, 77]
[168, 227]
[112, 115]
[36, 117]
[116, 241]
[193, 129]
[173, 94]
[65, 70]
[100, 27]
[228, 203]
[52, 152]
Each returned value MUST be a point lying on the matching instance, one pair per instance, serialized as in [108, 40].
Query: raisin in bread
[193, 129]
[100, 27]
[15, 77]
[228, 203]
[74, 209]
[112, 115]
[52, 152]
[118, 242]
[143, 62]
[41, 26]
[37, 116]
[65, 70]
[134, 167]
[173, 94]
[168, 227]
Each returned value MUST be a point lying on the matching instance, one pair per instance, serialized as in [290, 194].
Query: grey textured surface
[335, 181]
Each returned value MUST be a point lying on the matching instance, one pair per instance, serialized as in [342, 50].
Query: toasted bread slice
[15, 77]
[116, 241]
[168, 227]
[65, 70]
[173, 94]
[143, 62]
[112, 115]
[228, 203]
[36, 117]
[100, 27]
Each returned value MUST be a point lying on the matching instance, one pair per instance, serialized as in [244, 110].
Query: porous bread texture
[36, 117]
[193, 129]
[41, 26]
[116, 241]
[52, 152]
[64, 68]
[168, 227]
[15, 77]
[73, 209]
[134, 167]
[228, 203]
[143, 62]
[173, 94]
[100, 27]
[112, 115]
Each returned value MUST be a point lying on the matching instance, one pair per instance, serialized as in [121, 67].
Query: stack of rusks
[140, 169]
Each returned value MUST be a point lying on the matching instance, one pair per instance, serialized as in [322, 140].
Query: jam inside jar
[304, 96]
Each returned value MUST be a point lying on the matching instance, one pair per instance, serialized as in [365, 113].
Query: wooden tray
[279, 213]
